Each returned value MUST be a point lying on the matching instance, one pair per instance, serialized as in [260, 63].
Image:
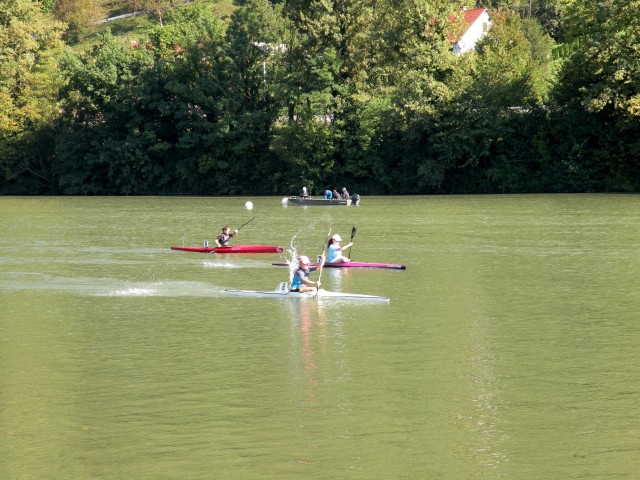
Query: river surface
[510, 347]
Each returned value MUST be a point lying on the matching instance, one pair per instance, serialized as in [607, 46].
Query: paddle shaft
[245, 223]
[324, 250]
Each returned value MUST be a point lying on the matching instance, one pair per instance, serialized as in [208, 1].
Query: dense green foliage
[323, 93]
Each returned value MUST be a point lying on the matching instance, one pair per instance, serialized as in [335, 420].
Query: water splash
[132, 292]
[306, 235]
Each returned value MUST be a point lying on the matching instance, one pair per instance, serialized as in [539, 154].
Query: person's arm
[310, 283]
[314, 268]
[342, 249]
[235, 232]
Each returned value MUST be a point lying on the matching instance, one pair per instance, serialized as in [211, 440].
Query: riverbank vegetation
[262, 98]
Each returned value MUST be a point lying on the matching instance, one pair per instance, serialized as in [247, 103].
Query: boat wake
[215, 264]
[109, 287]
[164, 289]
[130, 292]
[234, 264]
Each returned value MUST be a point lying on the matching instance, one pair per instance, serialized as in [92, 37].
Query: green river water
[510, 348]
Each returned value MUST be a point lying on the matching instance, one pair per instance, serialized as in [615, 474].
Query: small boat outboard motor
[355, 199]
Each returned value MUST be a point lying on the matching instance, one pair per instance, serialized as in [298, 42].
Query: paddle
[353, 234]
[324, 251]
[248, 221]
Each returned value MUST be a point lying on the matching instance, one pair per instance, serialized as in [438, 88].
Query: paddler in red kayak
[222, 240]
[301, 282]
[334, 254]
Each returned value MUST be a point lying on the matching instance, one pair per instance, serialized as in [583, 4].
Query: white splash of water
[220, 264]
[132, 292]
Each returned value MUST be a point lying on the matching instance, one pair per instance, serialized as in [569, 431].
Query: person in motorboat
[335, 195]
[222, 240]
[301, 282]
[334, 250]
[304, 193]
[355, 199]
[327, 194]
[345, 193]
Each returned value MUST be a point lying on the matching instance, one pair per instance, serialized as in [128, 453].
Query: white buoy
[249, 205]
[285, 201]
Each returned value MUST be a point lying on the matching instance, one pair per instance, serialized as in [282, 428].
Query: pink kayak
[393, 266]
[233, 249]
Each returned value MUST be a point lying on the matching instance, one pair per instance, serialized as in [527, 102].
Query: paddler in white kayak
[222, 240]
[334, 254]
[301, 282]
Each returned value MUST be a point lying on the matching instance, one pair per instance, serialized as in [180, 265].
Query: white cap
[304, 260]
[337, 238]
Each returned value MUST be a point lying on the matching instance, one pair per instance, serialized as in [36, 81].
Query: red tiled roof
[471, 16]
[468, 16]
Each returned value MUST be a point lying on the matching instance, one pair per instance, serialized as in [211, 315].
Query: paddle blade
[353, 234]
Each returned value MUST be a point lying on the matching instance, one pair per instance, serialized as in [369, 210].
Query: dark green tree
[597, 120]
[90, 152]
[487, 132]
[30, 43]
[413, 70]
[307, 131]
[548, 13]
[250, 74]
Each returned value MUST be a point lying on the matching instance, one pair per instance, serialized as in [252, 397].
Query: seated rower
[301, 282]
[334, 254]
[222, 240]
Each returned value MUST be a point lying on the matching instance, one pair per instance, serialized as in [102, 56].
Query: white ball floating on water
[285, 201]
[249, 205]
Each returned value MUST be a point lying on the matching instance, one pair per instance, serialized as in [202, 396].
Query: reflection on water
[484, 419]
[310, 335]
[506, 350]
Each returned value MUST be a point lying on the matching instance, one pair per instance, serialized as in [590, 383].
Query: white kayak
[282, 291]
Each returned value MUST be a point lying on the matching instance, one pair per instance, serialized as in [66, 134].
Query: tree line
[324, 93]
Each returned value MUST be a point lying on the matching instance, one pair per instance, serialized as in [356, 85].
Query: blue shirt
[333, 252]
[299, 275]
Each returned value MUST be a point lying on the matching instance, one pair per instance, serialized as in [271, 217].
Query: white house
[478, 24]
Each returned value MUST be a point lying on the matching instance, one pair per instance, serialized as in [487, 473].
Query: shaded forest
[320, 93]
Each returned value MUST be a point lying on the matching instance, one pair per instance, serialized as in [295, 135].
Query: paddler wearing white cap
[334, 253]
[301, 282]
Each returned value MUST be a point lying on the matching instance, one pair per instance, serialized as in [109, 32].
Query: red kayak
[393, 266]
[233, 249]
